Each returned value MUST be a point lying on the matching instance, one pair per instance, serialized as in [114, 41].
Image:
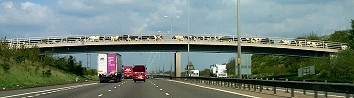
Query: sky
[266, 18]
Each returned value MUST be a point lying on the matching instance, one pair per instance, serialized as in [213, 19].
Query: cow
[178, 37]
[94, 38]
[114, 38]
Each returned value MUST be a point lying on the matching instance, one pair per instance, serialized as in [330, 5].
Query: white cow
[114, 38]
[158, 37]
[344, 47]
[192, 38]
[94, 38]
[178, 37]
[287, 42]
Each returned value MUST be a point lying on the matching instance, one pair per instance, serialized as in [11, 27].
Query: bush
[47, 73]
[5, 67]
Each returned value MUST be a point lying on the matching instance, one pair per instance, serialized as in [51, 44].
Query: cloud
[281, 18]
[24, 17]
[291, 19]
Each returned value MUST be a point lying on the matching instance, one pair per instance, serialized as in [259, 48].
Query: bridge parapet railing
[178, 37]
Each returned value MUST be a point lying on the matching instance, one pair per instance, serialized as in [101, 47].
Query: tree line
[33, 57]
[337, 67]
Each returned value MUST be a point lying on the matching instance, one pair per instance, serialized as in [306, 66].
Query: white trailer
[218, 70]
[109, 67]
[194, 73]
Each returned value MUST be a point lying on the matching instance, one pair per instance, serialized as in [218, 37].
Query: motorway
[152, 88]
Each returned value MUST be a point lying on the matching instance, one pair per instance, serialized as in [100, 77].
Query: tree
[205, 73]
[340, 36]
[351, 36]
[343, 64]
[311, 36]
[230, 66]
[71, 65]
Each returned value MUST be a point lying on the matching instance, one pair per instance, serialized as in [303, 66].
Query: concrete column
[177, 64]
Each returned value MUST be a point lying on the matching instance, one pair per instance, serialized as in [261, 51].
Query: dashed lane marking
[43, 92]
[167, 94]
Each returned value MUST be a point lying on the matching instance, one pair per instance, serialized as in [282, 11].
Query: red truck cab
[139, 73]
[128, 71]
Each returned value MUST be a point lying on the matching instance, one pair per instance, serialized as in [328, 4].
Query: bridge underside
[183, 48]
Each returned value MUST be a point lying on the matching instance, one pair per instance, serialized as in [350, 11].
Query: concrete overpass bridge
[179, 43]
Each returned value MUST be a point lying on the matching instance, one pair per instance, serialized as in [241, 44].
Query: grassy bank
[26, 67]
[24, 75]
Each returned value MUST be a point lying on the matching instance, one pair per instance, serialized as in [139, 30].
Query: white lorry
[218, 70]
[194, 73]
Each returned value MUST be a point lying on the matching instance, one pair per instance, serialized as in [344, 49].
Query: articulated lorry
[218, 70]
[109, 67]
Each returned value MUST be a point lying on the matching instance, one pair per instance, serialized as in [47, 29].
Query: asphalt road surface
[152, 88]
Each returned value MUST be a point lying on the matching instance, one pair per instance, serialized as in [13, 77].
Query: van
[139, 73]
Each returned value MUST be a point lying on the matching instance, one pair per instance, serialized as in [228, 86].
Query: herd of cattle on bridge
[256, 40]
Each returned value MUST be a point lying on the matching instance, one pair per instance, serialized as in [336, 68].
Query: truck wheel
[144, 80]
[134, 81]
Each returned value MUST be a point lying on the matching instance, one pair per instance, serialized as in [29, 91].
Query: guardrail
[344, 88]
[176, 37]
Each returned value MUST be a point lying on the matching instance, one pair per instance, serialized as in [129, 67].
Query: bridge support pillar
[177, 64]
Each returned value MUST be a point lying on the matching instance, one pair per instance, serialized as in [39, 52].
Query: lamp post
[171, 33]
[188, 41]
[238, 42]
[170, 23]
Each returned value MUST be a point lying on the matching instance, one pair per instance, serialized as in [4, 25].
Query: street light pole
[171, 25]
[238, 42]
[171, 33]
[188, 42]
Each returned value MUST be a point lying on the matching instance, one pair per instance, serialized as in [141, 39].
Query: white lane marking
[157, 86]
[167, 94]
[29, 96]
[115, 87]
[215, 89]
[100, 95]
[37, 94]
[109, 90]
[118, 85]
[43, 91]
[160, 89]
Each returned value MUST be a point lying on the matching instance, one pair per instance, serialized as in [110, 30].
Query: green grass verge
[27, 75]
